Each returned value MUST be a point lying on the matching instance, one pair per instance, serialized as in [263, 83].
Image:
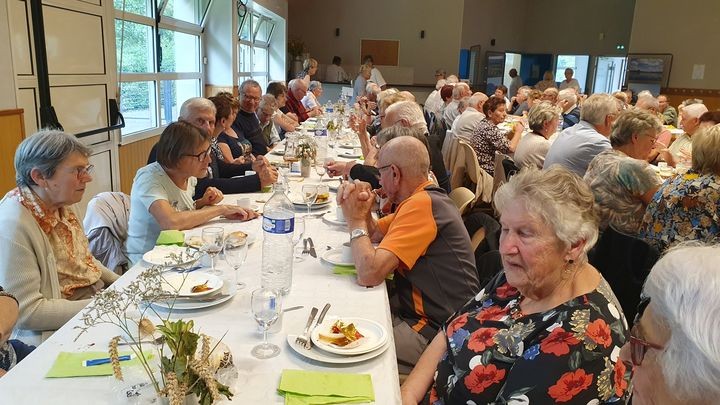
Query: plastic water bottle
[278, 228]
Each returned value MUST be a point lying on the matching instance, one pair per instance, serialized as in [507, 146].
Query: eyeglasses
[200, 156]
[638, 347]
[381, 168]
[84, 170]
[249, 97]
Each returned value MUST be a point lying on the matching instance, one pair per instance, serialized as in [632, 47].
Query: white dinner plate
[314, 206]
[334, 256]
[325, 357]
[182, 283]
[349, 155]
[349, 145]
[185, 305]
[170, 255]
[195, 241]
[374, 334]
[331, 218]
[278, 152]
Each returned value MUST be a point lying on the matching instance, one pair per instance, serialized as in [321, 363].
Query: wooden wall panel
[384, 53]
[12, 132]
[711, 98]
[132, 157]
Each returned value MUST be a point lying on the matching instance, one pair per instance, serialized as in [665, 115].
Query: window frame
[157, 77]
[256, 20]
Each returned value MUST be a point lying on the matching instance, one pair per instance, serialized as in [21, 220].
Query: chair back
[468, 172]
[624, 261]
[446, 146]
[484, 233]
[106, 226]
[463, 198]
[505, 168]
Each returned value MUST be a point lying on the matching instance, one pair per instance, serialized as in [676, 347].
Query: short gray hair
[459, 89]
[268, 102]
[44, 150]
[569, 95]
[440, 83]
[248, 83]
[631, 122]
[683, 287]
[477, 98]
[524, 90]
[648, 103]
[452, 79]
[463, 103]
[694, 110]
[410, 111]
[296, 83]
[314, 85]
[559, 198]
[597, 107]
[372, 88]
[541, 113]
[705, 147]
[194, 104]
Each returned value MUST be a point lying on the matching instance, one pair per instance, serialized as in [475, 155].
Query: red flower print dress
[567, 355]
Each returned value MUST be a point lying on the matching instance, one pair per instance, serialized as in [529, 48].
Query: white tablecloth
[313, 285]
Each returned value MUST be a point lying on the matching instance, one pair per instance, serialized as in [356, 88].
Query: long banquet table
[314, 284]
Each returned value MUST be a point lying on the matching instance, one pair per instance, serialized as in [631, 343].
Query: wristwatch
[358, 233]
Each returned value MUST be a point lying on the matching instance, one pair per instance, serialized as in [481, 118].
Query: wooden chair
[475, 176]
[463, 198]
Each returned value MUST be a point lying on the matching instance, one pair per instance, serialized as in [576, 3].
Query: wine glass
[298, 235]
[235, 255]
[320, 169]
[212, 243]
[309, 195]
[266, 306]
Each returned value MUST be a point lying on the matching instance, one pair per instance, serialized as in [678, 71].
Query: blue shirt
[576, 147]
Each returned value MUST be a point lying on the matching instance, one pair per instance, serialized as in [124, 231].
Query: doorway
[609, 74]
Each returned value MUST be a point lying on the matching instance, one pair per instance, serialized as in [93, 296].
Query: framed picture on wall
[647, 68]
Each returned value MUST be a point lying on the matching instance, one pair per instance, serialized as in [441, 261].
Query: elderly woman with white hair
[621, 179]
[686, 207]
[547, 328]
[673, 347]
[360, 83]
[543, 122]
[568, 102]
[45, 260]
[310, 67]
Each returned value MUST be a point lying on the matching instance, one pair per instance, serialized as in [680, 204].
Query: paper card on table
[171, 237]
[314, 387]
[352, 271]
[71, 364]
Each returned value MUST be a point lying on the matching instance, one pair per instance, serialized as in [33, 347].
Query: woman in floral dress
[547, 329]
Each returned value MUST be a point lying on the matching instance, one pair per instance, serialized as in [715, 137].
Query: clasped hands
[356, 198]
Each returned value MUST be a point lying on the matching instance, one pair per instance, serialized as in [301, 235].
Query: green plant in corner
[296, 48]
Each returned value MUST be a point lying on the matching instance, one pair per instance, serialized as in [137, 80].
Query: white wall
[314, 22]
[691, 35]
[7, 75]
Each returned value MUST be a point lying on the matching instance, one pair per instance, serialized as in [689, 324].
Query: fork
[304, 339]
[306, 249]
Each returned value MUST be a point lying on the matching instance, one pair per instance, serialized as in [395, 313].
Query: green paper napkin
[352, 271]
[313, 387]
[171, 237]
[71, 364]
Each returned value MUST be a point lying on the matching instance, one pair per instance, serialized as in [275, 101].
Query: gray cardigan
[28, 270]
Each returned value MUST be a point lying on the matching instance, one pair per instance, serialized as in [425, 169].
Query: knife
[322, 314]
[312, 248]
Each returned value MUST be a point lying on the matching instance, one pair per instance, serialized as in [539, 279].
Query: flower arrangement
[306, 148]
[295, 48]
[183, 371]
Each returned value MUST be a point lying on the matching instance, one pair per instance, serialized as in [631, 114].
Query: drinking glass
[266, 306]
[309, 195]
[298, 236]
[235, 255]
[320, 169]
[212, 243]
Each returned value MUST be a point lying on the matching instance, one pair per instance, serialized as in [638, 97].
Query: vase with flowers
[307, 152]
[189, 363]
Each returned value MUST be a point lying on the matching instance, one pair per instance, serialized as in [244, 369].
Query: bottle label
[321, 132]
[281, 226]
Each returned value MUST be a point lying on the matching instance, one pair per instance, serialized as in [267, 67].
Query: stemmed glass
[309, 195]
[290, 155]
[212, 243]
[298, 236]
[235, 255]
[320, 169]
[266, 306]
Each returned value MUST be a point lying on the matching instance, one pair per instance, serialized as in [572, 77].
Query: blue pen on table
[106, 360]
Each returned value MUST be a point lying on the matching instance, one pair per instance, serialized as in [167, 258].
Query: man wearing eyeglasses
[423, 243]
[246, 122]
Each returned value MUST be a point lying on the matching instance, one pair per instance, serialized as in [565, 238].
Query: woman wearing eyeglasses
[45, 261]
[673, 347]
[162, 192]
